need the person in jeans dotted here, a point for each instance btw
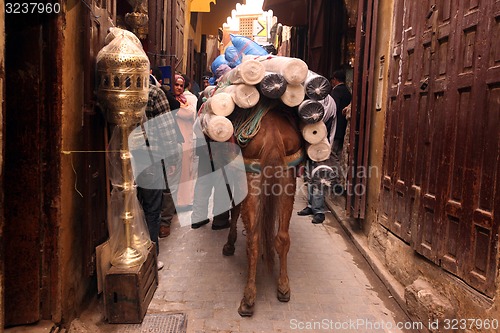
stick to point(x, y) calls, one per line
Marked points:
point(315, 193)
point(161, 145)
point(168, 207)
point(316, 187)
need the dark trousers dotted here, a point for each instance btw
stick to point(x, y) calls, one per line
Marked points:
point(151, 202)
point(168, 208)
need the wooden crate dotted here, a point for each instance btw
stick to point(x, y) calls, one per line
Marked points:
point(128, 291)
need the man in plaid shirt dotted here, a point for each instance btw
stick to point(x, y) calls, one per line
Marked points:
point(160, 145)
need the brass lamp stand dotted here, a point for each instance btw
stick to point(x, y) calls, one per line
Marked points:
point(122, 90)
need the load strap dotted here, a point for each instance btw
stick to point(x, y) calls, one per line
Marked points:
point(253, 165)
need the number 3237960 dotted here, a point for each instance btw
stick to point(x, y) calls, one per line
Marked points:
point(453, 324)
point(32, 8)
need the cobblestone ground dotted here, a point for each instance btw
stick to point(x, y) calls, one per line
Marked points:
point(333, 289)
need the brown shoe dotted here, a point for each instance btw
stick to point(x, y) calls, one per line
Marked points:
point(164, 231)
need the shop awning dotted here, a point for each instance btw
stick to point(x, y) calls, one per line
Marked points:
point(289, 12)
point(201, 5)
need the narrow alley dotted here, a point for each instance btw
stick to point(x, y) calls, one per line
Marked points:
point(333, 287)
point(404, 93)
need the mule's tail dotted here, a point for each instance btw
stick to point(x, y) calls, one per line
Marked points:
point(272, 186)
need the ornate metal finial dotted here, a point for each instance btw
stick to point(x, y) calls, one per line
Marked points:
point(123, 78)
point(137, 21)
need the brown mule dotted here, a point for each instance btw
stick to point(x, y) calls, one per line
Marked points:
point(270, 198)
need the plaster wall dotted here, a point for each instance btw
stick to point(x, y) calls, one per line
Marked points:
point(191, 32)
point(217, 16)
point(194, 33)
point(430, 292)
point(381, 77)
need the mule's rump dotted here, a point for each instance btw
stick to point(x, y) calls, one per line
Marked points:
point(270, 198)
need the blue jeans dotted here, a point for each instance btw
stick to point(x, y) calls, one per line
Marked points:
point(151, 202)
point(316, 198)
point(315, 190)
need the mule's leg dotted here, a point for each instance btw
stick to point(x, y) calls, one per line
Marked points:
point(249, 218)
point(228, 249)
point(282, 242)
point(248, 301)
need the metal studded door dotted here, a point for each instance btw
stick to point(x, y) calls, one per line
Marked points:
point(441, 174)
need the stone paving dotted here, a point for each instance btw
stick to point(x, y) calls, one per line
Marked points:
point(332, 288)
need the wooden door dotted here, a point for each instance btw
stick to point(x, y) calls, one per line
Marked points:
point(441, 171)
point(173, 38)
point(27, 192)
point(361, 108)
point(178, 37)
point(190, 61)
point(95, 182)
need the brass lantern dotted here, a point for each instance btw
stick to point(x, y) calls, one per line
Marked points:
point(123, 78)
point(122, 91)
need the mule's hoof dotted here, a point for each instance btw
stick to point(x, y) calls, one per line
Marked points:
point(283, 297)
point(245, 310)
point(228, 250)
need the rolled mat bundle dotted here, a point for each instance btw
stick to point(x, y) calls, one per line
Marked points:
point(314, 133)
point(259, 77)
point(208, 91)
point(320, 151)
point(317, 87)
point(244, 95)
point(220, 104)
point(218, 128)
point(249, 72)
point(311, 111)
point(294, 70)
point(294, 95)
point(273, 85)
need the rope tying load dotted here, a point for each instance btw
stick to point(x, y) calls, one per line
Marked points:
point(247, 125)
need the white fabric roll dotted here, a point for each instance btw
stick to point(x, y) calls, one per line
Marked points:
point(221, 104)
point(249, 72)
point(294, 70)
point(294, 95)
point(244, 95)
point(320, 151)
point(218, 128)
point(208, 91)
point(315, 132)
